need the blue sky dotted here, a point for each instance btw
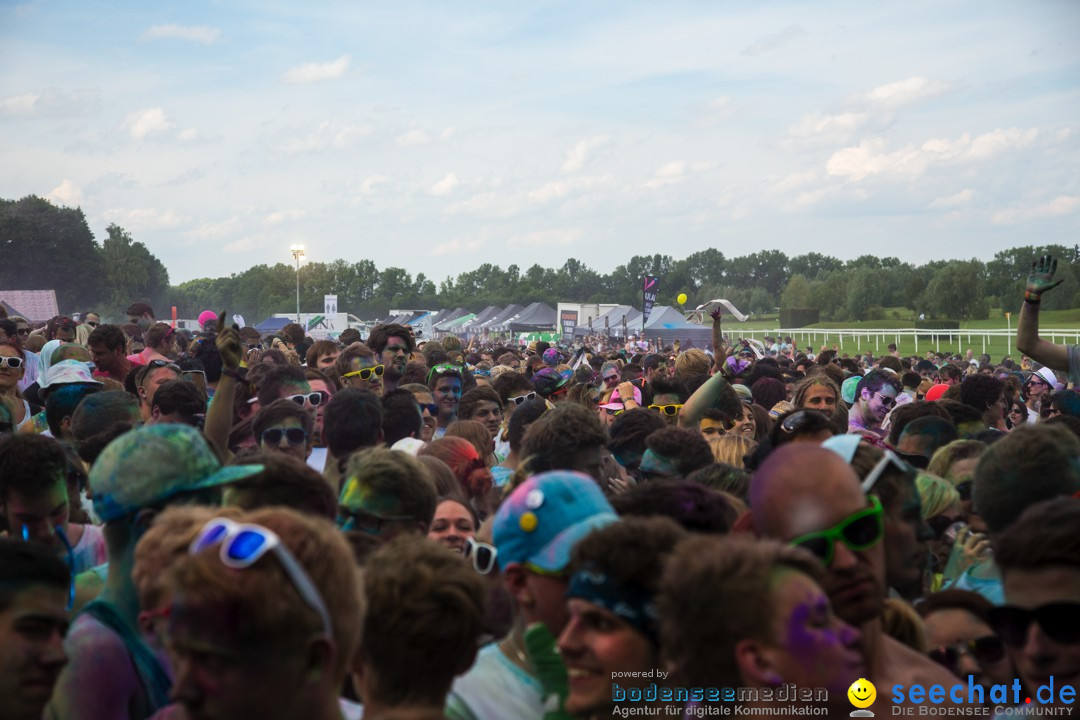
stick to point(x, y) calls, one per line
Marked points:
point(437, 136)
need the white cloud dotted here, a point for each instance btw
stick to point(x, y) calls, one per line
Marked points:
point(554, 236)
point(871, 158)
point(575, 157)
point(413, 138)
point(66, 193)
point(329, 135)
point(188, 135)
point(50, 101)
point(314, 72)
point(217, 229)
point(458, 246)
point(772, 42)
point(447, 133)
point(561, 188)
point(142, 123)
point(669, 174)
point(241, 245)
point(192, 33)
point(906, 92)
point(818, 124)
point(956, 200)
point(444, 186)
point(144, 218)
point(279, 216)
point(793, 181)
point(367, 187)
point(1061, 205)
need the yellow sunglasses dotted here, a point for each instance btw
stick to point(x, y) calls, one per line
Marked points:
point(366, 373)
point(666, 409)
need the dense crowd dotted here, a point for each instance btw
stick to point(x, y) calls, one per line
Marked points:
point(224, 525)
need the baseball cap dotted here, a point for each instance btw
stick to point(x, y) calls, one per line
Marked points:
point(744, 394)
point(68, 372)
point(936, 392)
point(532, 346)
point(548, 380)
point(547, 515)
point(551, 356)
point(154, 463)
point(847, 390)
point(409, 445)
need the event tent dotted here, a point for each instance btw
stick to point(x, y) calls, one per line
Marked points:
point(538, 316)
point(668, 325)
point(481, 317)
point(614, 318)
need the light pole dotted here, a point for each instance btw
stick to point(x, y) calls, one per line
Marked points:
point(298, 255)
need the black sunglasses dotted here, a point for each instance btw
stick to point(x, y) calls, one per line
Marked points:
point(294, 436)
point(430, 407)
point(1057, 620)
point(986, 650)
point(964, 489)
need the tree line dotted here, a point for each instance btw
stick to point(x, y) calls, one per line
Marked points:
point(44, 246)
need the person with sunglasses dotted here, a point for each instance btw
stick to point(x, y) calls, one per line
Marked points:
point(33, 621)
point(534, 531)
point(875, 396)
point(359, 367)
point(668, 397)
point(1039, 560)
point(1038, 389)
point(12, 369)
point(810, 497)
point(291, 579)
point(288, 382)
point(960, 638)
point(429, 411)
point(394, 344)
point(386, 493)
point(149, 378)
point(284, 427)
point(134, 478)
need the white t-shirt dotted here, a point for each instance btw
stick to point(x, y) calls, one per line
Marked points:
point(317, 459)
point(90, 551)
point(495, 689)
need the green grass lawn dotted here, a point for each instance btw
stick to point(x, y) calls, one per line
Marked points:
point(966, 338)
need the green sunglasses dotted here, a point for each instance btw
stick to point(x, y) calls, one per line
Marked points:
point(859, 531)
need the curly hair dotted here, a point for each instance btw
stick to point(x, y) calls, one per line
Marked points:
point(688, 448)
point(29, 463)
point(981, 391)
point(561, 435)
point(692, 505)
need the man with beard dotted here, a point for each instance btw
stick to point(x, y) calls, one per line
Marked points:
point(394, 344)
point(806, 495)
point(875, 396)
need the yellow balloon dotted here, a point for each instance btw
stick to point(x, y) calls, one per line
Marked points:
point(681, 298)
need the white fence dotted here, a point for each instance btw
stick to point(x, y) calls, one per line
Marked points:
point(881, 337)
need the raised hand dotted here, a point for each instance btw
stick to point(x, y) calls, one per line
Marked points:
point(228, 344)
point(1041, 278)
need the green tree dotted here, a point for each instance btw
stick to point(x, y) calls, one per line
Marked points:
point(45, 247)
point(797, 294)
point(131, 272)
point(957, 291)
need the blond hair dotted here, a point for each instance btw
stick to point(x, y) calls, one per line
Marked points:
point(731, 449)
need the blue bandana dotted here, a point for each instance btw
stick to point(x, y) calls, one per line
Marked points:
point(630, 602)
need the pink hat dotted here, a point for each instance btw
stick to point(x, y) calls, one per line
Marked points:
point(206, 317)
point(616, 403)
point(936, 392)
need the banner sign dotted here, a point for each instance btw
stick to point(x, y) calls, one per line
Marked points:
point(330, 304)
point(649, 288)
point(568, 320)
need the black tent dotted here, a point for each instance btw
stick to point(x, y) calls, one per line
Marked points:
point(535, 317)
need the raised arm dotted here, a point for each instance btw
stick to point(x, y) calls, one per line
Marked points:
point(1028, 341)
point(220, 414)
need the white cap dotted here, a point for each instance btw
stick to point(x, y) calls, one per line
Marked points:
point(408, 445)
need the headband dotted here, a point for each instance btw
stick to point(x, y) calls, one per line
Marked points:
point(629, 601)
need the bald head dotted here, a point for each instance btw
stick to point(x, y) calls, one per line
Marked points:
point(789, 490)
point(804, 488)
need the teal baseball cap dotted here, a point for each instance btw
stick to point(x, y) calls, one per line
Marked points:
point(149, 465)
point(547, 515)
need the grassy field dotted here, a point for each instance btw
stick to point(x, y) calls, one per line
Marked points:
point(968, 336)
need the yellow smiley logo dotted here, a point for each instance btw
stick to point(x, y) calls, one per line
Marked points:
point(862, 693)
